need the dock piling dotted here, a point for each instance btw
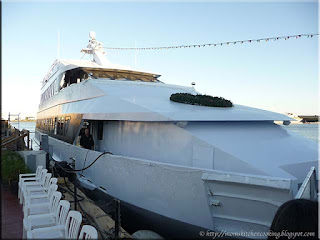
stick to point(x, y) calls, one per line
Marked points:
point(117, 219)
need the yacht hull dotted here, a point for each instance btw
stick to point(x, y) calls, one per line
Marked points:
point(134, 218)
point(208, 199)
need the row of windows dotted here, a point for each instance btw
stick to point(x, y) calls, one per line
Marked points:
point(57, 126)
point(47, 93)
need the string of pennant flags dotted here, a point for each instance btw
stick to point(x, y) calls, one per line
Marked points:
point(219, 44)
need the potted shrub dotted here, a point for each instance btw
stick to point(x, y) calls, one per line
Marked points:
point(12, 164)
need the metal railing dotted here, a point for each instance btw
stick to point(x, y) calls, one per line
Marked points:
point(17, 136)
point(309, 189)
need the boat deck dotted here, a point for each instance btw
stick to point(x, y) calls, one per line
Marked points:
point(11, 215)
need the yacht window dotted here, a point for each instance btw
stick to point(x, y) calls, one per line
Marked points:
point(73, 76)
point(80, 74)
point(47, 124)
point(52, 125)
point(66, 125)
point(60, 126)
point(55, 125)
point(62, 81)
point(100, 130)
point(92, 76)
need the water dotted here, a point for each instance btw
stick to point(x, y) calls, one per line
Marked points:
point(306, 130)
point(30, 126)
point(25, 125)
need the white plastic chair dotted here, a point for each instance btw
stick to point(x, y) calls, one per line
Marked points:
point(27, 187)
point(40, 182)
point(88, 232)
point(73, 223)
point(42, 208)
point(41, 198)
point(34, 187)
point(47, 220)
point(33, 190)
point(29, 177)
point(70, 231)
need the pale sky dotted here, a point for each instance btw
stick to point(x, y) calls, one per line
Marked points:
point(280, 76)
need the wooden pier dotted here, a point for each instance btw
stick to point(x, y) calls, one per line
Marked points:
point(95, 216)
point(16, 140)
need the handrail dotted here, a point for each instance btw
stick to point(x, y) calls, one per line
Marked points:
point(16, 137)
point(8, 138)
point(308, 189)
point(13, 140)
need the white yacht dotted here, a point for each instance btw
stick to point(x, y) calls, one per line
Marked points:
point(219, 169)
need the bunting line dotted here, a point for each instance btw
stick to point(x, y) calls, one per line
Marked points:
point(218, 44)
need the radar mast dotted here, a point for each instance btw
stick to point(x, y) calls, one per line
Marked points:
point(95, 48)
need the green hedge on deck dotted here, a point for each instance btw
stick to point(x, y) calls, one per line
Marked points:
point(202, 100)
point(12, 164)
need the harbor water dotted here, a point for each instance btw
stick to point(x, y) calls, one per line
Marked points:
point(306, 130)
point(30, 126)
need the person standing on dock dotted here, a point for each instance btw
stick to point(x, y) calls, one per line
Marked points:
point(86, 140)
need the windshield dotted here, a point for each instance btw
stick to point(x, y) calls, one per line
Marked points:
point(80, 74)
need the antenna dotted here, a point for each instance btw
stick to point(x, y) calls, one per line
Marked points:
point(95, 48)
point(135, 54)
point(92, 35)
point(58, 43)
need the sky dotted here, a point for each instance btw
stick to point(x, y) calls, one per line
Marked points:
point(280, 76)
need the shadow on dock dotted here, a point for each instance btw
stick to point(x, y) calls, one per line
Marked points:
point(11, 215)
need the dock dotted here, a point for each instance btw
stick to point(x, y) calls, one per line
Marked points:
point(11, 215)
point(107, 226)
point(91, 213)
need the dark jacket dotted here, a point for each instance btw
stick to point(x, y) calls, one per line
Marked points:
point(86, 142)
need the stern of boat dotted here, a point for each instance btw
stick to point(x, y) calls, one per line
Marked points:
point(247, 203)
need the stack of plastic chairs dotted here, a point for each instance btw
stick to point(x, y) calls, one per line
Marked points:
point(45, 214)
point(38, 191)
point(70, 230)
point(57, 218)
point(41, 198)
point(32, 184)
point(42, 208)
point(29, 177)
